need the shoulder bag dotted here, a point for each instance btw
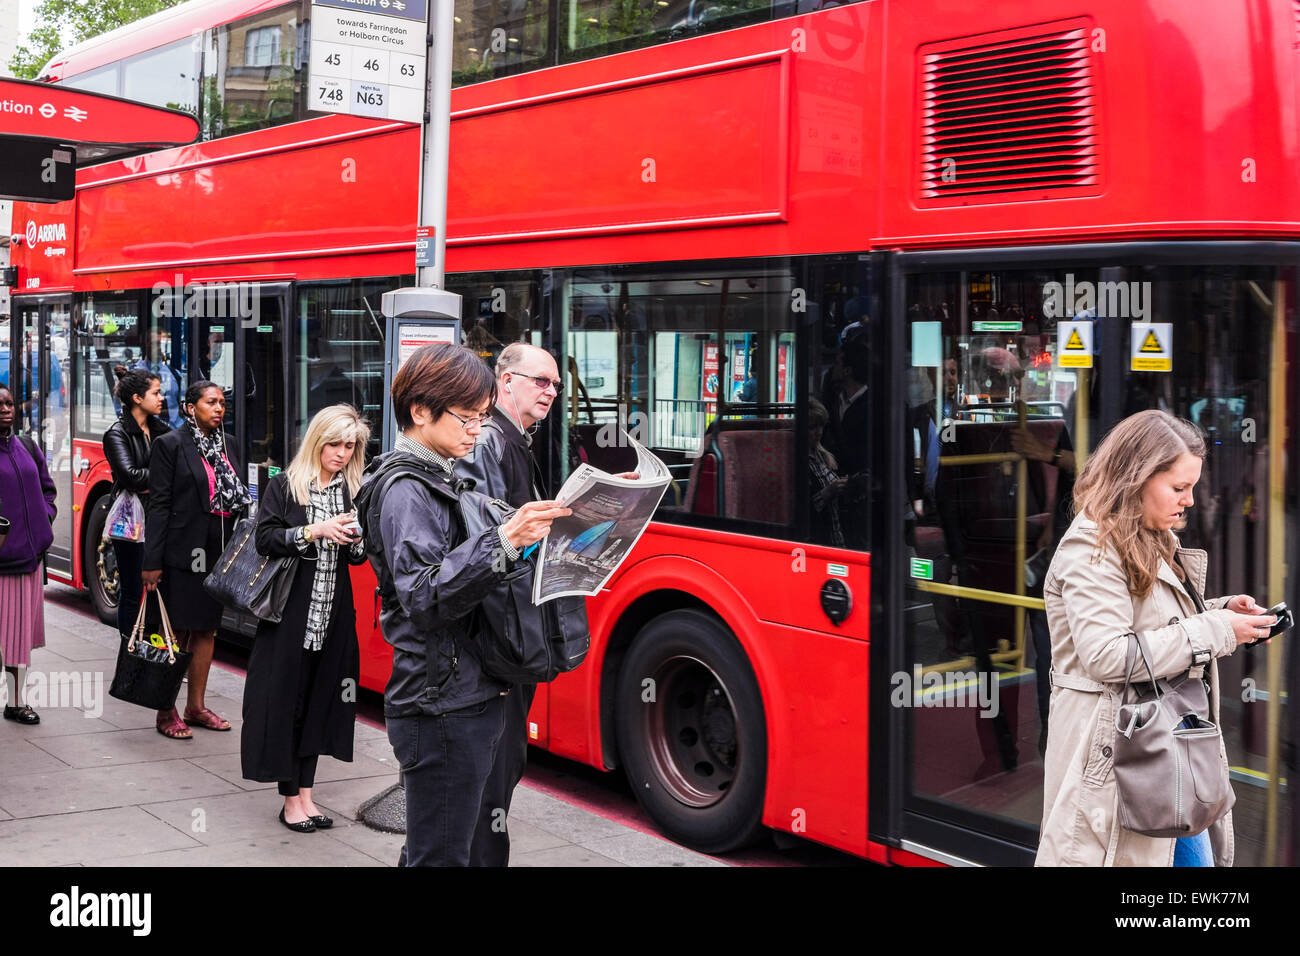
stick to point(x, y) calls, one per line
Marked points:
point(1168, 772)
point(522, 642)
point(251, 582)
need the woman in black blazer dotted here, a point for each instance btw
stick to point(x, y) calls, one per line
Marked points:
point(126, 446)
point(300, 695)
point(195, 497)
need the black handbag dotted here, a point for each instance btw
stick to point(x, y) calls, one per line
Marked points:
point(521, 642)
point(149, 674)
point(251, 582)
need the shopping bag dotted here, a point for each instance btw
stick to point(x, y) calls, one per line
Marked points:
point(150, 668)
point(125, 518)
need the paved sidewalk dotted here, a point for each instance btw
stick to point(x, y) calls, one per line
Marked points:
point(95, 785)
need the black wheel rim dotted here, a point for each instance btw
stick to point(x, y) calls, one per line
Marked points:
point(690, 732)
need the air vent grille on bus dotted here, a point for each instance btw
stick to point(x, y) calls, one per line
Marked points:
point(1011, 116)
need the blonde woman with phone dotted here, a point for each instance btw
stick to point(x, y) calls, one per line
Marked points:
point(300, 696)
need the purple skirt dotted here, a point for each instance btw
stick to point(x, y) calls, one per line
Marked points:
point(22, 617)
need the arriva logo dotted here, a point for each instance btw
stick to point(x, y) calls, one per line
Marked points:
point(50, 232)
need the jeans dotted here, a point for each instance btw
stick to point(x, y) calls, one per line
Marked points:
point(1194, 851)
point(130, 561)
point(446, 761)
point(491, 845)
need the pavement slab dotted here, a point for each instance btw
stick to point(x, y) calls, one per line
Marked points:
point(97, 835)
point(97, 788)
point(137, 746)
point(291, 849)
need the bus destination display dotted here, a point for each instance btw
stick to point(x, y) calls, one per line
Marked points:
point(367, 58)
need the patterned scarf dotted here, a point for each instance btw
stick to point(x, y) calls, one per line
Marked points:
point(229, 495)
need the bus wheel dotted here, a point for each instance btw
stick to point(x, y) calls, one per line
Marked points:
point(99, 563)
point(691, 735)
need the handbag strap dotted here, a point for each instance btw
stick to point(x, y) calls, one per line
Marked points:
point(137, 629)
point(169, 636)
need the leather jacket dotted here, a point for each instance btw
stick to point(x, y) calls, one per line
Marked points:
point(432, 579)
point(128, 452)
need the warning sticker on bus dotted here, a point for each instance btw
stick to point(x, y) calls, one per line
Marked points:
point(1074, 345)
point(1153, 347)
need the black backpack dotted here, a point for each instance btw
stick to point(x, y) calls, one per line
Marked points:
point(519, 642)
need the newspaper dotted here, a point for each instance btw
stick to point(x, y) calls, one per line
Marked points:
point(609, 516)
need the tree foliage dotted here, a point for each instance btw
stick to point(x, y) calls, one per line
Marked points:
point(60, 23)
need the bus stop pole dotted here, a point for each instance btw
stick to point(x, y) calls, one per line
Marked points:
point(435, 141)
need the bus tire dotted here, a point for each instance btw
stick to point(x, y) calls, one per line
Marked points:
point(98, 563)
point(691, 733)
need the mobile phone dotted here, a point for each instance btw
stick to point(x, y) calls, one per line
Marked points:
point(1285, 619)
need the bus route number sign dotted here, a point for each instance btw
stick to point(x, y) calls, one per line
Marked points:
point(368, 58)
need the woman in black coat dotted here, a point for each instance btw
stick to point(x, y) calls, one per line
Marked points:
point(126, 446)
point(300, 695)
point(195, 498)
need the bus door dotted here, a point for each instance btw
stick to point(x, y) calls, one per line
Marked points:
point(240, 346)
point(39, 374)
point(1010, 369)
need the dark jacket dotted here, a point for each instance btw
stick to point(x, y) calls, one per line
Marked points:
point(503, 465)
point(431, 582)
point(178, 509)
point(127, 451)
point(27, 496)
point(275, 667)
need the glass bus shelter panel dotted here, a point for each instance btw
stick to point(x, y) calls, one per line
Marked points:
point(715, 368)
point(340, 351)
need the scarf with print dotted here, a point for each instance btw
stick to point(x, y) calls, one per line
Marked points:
point(229, 494)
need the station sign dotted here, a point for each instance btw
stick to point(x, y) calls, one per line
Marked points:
point(1153, 347)
point(61, 114)
point(368, 58)
point(997, 325)
point(1074, 344)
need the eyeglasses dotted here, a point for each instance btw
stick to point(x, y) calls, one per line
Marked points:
point(468, 423)
point(542, 382)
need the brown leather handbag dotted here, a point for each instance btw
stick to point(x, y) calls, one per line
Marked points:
point(1171, 781)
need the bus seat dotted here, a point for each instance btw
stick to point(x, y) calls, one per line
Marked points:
point(744, 470)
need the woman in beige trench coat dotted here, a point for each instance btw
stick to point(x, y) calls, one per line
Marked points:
point(1119, 569)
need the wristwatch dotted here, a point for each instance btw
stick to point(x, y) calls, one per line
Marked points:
point(305, 533)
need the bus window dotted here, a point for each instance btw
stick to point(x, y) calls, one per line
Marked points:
point(340, 350)
point(495, 39)
point(167, 76)
point(109, 330)
point(253, 73)
point(703, 364)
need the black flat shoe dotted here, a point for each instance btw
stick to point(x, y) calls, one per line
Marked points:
point(304, 826)
point(24, 715)
point(322, 822)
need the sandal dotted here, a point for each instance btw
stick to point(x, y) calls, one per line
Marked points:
point(172, 726)
point(206, 719)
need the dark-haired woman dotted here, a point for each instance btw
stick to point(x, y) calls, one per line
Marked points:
point(445, 716)
point(195, 497)
point(27, 505)
point(126, 446)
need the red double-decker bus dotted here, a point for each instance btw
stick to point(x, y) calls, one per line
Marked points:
point(871, 279)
